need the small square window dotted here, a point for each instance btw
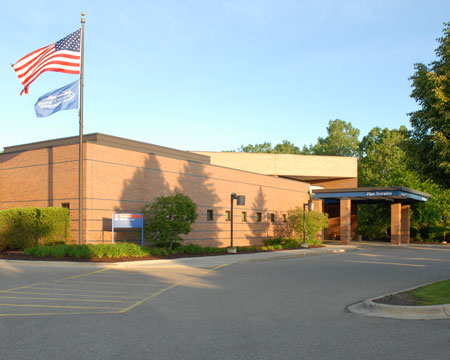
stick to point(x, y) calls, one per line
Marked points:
point(210, 215)
point(284, 218)
point(258, 217)
point(272, 217)
point(244, 216)
point(228, 215)
point(66, 205)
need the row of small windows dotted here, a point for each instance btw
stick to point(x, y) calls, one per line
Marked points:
point(210, 216)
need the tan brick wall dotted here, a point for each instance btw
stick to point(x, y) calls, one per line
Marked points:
point(123, 180)
point(337, 183)
point(43, 177)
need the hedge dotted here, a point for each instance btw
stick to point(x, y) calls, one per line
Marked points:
point(26, 227)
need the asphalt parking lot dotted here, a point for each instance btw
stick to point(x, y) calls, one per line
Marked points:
point(283, 309)
point(102, 291)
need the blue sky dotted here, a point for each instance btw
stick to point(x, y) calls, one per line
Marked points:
point(218, 74)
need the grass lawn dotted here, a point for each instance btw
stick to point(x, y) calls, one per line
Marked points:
point(433, 294)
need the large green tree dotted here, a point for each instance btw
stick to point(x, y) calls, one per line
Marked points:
point(342, 140)
point(430, 135)
point(384, 162)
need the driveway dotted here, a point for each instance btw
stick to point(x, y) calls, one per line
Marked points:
point(282, 309)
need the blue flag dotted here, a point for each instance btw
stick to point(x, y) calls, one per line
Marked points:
point(65, 98)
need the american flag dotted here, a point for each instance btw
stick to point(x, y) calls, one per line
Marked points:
point(62, 56)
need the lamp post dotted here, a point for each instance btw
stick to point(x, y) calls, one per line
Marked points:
point(310, 206)
point(240, 201)
point(445, 223)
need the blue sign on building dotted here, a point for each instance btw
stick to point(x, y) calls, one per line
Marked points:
point(128, 221)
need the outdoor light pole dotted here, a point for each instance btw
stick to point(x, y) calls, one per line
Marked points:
point(240, 201)
point(233, 196)
point(310, 206)
point(445, 223)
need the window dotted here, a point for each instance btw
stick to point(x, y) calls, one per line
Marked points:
point(244, 216)
point(258, 217)
point(210, 215)
point(228, 215)
point(284, 218)
point(66, 205)
point(272, 217)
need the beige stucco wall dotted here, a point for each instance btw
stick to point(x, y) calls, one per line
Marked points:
point(307, 167)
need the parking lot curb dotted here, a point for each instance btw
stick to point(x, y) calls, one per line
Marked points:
point(370, 307)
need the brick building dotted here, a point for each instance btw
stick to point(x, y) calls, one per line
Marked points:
point(122, 175)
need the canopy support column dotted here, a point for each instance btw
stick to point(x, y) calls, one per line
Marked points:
point(406, 223)
point(396, 223)
point(345, 221)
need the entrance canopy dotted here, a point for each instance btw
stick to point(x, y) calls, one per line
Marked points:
point(399, 197)
point(371, 195)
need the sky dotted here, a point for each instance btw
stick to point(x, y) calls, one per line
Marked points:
point(213, 75)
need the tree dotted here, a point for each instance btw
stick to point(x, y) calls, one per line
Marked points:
point(265, 147)
point(342, 140)
point(285, 147)
point(384, 162)
point(167, 218)
point(429, 145)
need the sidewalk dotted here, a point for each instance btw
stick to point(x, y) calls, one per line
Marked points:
point(210, 261)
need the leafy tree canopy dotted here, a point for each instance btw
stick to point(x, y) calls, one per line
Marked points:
point(430, 135)
point(384, 162)
point(342, 140)
point(285, 147)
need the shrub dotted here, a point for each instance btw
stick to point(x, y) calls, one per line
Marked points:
point(282, 243)
point(60, 251)
point(167, 218)
point(243, 249)
point(193, 249)
point(27, 227)
point(275, 241)
point(315, 222)
point(117, 250)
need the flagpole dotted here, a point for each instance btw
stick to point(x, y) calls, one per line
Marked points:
point(80, 152)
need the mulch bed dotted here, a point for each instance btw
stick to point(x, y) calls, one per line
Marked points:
point(403, 298)
point(20, 255)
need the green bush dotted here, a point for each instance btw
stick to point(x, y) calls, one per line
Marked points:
point(315, 222)
point(193, 249)
point(27, 227)
point(282, 243)
point(117, 250)
point(243, 249)
point(167, 218)
point(60, 251)
point(159, 251)
point(275, 241)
